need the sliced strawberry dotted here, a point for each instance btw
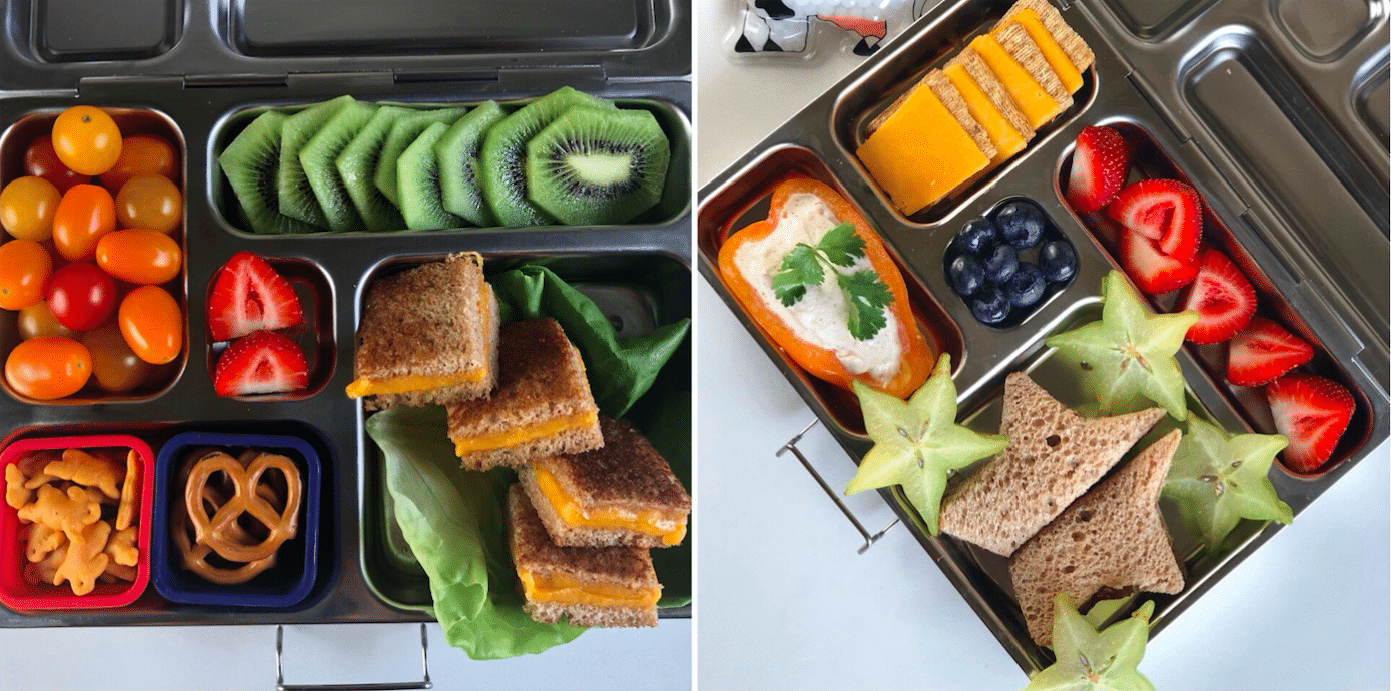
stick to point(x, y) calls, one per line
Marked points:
point(248, 295)
point(1312, 412)
point(1164, 210)
point(262, 362)
point(1153, 271)
point(1099, 166)
point(1222, 297)
point(1263, 351)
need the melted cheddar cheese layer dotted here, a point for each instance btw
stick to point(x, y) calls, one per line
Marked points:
point(671, 528)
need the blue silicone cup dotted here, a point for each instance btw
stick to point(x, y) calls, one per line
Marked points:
point(281, 586)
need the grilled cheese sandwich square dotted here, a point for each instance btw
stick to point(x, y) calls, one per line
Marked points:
point(623, 493)
point(541, 406)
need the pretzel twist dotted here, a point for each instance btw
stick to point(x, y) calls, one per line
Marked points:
point(210, 519)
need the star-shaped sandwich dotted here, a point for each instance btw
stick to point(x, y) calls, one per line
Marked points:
point(1219, 480)
point(1091, 659)
point(1113, 537)
point(918, 444)
point(1128, 355)
point(1053, 456)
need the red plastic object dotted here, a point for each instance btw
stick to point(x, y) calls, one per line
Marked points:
point(18, 595)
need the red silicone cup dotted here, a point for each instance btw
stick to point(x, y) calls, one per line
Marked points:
point(17, 594)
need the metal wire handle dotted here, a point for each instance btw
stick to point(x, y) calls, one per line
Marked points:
point(280, 684)
point(791, 445)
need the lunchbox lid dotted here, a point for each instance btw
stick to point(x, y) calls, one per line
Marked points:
point(60, 44)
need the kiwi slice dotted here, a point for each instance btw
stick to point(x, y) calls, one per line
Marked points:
point(417, 176)
point(251, 163)
point(357, 165)
point(404, 131)
point(457, 151)
point(596, 166)
point(318, 157)
point(502, 159)
point(297, 198)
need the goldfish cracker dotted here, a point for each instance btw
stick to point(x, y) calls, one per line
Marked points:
point(121, 547)
point(42, 541)
point(96, 495)
point(85, 469)
point(69, 511)
point(117, 572)
point(16, 494)
point(86, 558)
point(33, 469)
point(125, 513)
point(46, 570)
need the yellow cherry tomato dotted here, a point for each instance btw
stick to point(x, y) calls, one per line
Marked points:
point(149, 201)
point(24, 270)
point(48, 368)
point(86, 140)
point(115, 366)
point(152, 324)
point(37, 320)
point(26, 207)
point(145, 257)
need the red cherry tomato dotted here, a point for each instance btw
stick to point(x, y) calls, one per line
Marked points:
point(150, 201)
point(115, 366)
point(85, 213)
point(24, 269)
point(40, 159)
point(139, 256)
point(81, 296)
point(141, 154)
point(37, 320)
point(48, 368)
point(86, 139)
point(152, 324)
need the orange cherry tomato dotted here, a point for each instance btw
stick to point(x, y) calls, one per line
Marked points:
point(152, 324)
point(150, 201)
point(37, 320)
point(141, 154)
point(27, 205)
point(86, 140)
point(139, 256)
point(48, 368)
point(85, 213)
point(24, 270)
point(115, 366)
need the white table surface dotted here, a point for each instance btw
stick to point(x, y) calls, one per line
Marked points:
point(785, 603)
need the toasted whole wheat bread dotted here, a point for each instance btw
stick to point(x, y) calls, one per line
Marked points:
point(625, 474)
point(1053, 456)
point(541, 379)
point(1076, 49)
point(980, 73)
point(1016, 41)
point(1113, 537)
point(624, 567)
point(436, 320)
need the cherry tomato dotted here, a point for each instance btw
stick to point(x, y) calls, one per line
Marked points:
point(152, 324)
point(48, 368)
point(85, 213)
point(141, 154)
point(37, 320)
point(115, 366)
point(24, 269)
point(139, 256)
point(27, 206)
point(86, 139)
point(40, 159)
point(150, 201)
point(81, 296)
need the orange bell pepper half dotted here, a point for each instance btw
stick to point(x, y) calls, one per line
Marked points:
point(917, 357)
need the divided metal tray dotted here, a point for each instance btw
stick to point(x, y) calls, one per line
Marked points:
point(1274, 109)
point(198, 71)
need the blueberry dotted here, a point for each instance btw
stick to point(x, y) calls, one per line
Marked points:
point(990, 306)
point(1001, 263)
point(977, 237)
point(1021, 224)
point(965, 274)
point(1026, 286)
point(1058, 260)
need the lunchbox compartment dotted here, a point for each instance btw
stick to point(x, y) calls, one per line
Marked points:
point(1149, 160)
point(745, 200)
point(80, 31)
point(1324, 29)
point(1155, 20)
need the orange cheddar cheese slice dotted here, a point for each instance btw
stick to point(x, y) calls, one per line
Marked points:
point(366, 387)
point(1052, 52)
point(671, 528)
point(524, 434)
point(565, 589)
point(920, 153)
point(1031, 98)
point(1006, 139)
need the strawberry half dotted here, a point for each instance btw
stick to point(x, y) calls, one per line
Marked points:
point(1153, 271)
point(248, 295)
point(1312, 412)
point(1222, 297)
point(1164, 210)
point(1263, 351)
point(1099, 165)
point(263, 362)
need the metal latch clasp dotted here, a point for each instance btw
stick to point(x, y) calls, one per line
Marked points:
point(791, 445)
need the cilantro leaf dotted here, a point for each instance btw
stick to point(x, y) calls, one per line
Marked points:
point(866, 296)
point(799, 269)
point(841, 246)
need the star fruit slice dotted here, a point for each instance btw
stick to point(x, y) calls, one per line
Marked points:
point(1218, 480)
point(1091, 659)
point(918, 444)
point(1128, 355)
